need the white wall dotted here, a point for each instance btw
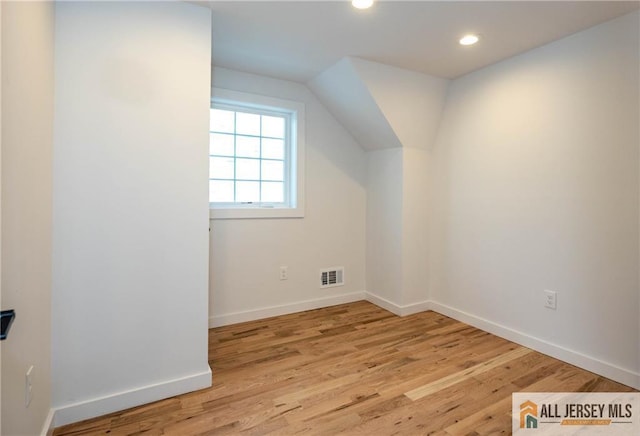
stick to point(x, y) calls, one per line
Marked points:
point(246, 254)
point(535, 184)
point(385, 225)
point(411, 102)
point(342, 90)
point(397, 207)
point(397, 232)
point(27, 137)
point(130, 218)
point(416, 211)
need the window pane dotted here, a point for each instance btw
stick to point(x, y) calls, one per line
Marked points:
point(273, 149)
point(221, 168)
point(248, 191)
point(273, 192)
point(220, 191)
point(273, 170)
point(250, 152)
point(221, 120)
point(248, 169)
point(273, 127)
point(221, 144)
point(247, 146)
point(247, 124)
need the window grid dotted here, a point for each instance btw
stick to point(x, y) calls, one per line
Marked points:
point(260, 158)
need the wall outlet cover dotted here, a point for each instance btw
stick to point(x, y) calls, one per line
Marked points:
point(550, 299)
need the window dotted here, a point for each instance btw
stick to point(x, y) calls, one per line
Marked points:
point(248, 156)
point(256, 156)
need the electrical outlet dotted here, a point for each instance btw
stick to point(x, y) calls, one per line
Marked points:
point(284, 273)
point(28, 387)
point(550, 299)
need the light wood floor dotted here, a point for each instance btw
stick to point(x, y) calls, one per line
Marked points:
point(354, 369)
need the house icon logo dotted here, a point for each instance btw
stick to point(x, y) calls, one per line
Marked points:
point(528, 415)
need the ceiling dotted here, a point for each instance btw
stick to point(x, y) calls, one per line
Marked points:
point(297, 40)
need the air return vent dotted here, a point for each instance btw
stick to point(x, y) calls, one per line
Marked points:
point(332, 277)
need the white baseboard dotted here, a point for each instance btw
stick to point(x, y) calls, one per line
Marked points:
point(588, 363)
point(408, 309)
point(147, 394)
point(131, 398)
point(580, 360)
point(285, 309)
point(48, 426)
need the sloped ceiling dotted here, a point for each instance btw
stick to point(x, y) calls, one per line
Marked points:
point(378, 70)
point(411, 102)
point(297, 40)
point(382, 106)
point(343, 92)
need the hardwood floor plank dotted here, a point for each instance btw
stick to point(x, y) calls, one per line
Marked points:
point(470, 423)
point(453, 379)
point(353, 369)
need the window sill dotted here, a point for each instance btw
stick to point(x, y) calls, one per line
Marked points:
point(255, 213)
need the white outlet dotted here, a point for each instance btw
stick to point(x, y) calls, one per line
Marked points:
point(284, 273)
point(550, 299)
point(28, 387)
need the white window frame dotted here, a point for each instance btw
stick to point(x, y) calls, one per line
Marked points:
point(294, 164)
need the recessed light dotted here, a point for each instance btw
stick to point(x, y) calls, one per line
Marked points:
point(362, 4)
point(469, 39)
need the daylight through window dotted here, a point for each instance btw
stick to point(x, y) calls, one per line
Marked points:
point(252, 156)
point(248, 157)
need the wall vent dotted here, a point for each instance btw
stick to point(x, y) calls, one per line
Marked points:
point(332, 277)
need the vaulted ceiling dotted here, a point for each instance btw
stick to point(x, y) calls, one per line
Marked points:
point(297, 40)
